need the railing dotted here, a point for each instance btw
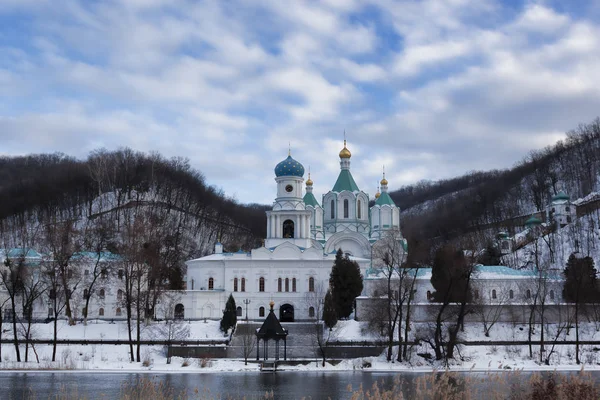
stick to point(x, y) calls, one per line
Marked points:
point(121, 342)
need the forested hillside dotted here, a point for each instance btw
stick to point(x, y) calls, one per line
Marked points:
point(43, 189)
point(114, 191)
point(483, 202)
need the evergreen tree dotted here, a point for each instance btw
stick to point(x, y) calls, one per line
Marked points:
point(449, 276)
point(580, 288)
point(491, 255)
point(346, 284)
point(229, 319)
point(329, 313)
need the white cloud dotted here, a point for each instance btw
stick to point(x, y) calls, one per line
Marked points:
point(429, 88)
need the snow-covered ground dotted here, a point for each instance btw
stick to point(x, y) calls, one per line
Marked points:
point(104, 330)
point(116, 358)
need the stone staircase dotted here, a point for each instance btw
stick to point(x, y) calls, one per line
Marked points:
point(300, 341)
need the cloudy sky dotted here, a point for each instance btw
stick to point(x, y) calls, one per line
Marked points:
point(431, 89)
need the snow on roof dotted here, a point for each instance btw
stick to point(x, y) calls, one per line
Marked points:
point(482, 272)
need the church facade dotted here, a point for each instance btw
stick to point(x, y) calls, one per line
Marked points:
point(295, 261)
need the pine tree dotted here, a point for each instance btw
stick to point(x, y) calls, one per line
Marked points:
point(329, 313)
point(346, 284)
point(229, 319)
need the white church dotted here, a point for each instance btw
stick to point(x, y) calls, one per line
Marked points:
point(303, 237)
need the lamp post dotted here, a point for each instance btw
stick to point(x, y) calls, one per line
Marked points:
point(246, 302)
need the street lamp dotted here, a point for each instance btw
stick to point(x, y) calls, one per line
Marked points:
point(246, 302)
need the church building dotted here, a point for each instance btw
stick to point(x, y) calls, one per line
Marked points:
point(303, 237)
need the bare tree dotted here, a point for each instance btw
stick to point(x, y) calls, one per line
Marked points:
point(491, 311)
point(97, 235)
point(390, 257)
point(247, 335)
point(32, 290)
point(62, 243)
point(321, 336)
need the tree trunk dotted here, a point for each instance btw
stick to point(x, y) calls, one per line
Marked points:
point(541, 332)
point(1, 333)
point(86, 309)
point(55, 337)
point(14, 323)
point(437, 337)
point(577, 332)
point(530, 331)
point(128, 310)
point(400, 317)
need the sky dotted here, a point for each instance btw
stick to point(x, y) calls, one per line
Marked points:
point(430, 89)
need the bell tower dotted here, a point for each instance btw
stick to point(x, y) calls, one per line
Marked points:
point(288, 221)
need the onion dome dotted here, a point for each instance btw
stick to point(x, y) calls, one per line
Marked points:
point(560, 196)
point(345, 153)
point(289, 167)
point(377, 194)
point(533, 221)
point(309, 181)
point(384, 181)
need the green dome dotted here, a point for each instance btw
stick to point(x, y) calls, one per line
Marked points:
point(533, 221)
point(560, 196)
point(289, 167)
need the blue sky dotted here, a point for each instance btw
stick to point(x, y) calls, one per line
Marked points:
point(431, 89)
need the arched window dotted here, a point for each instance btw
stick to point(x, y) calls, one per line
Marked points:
point(287, 284)
point(293, 284)
point(311, 312)
point(101, 312)
point(288, 229)
point(85, 293)
point(118, 313)
point(243, 284)
point(494, 294)
point(511, 294)
point(528, 294)
point(428, 295)
point(211, 283)
point(358, 210)
point(261, 284)
point(119, 295)
point(345, 208)
point(261, 312)
point(567, 208)
point(235, 283)
point(552, 295)
point(332, 209)
point(238, 311)
point(311, 284)
point(278, 285)
point(101, 294)
point(179, 311)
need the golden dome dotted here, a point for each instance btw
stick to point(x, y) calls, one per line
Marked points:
point(377, 194)
point(271, 303)
point(345, 153)
point(384, 181)
point(309, 181)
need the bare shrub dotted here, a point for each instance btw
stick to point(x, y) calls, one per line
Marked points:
point(204, 362)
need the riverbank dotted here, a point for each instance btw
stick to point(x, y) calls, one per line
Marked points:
point(116, 358)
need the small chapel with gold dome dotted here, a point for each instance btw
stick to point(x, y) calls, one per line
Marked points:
point(303, 237)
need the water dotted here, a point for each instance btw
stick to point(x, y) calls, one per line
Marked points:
point(284, 385)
